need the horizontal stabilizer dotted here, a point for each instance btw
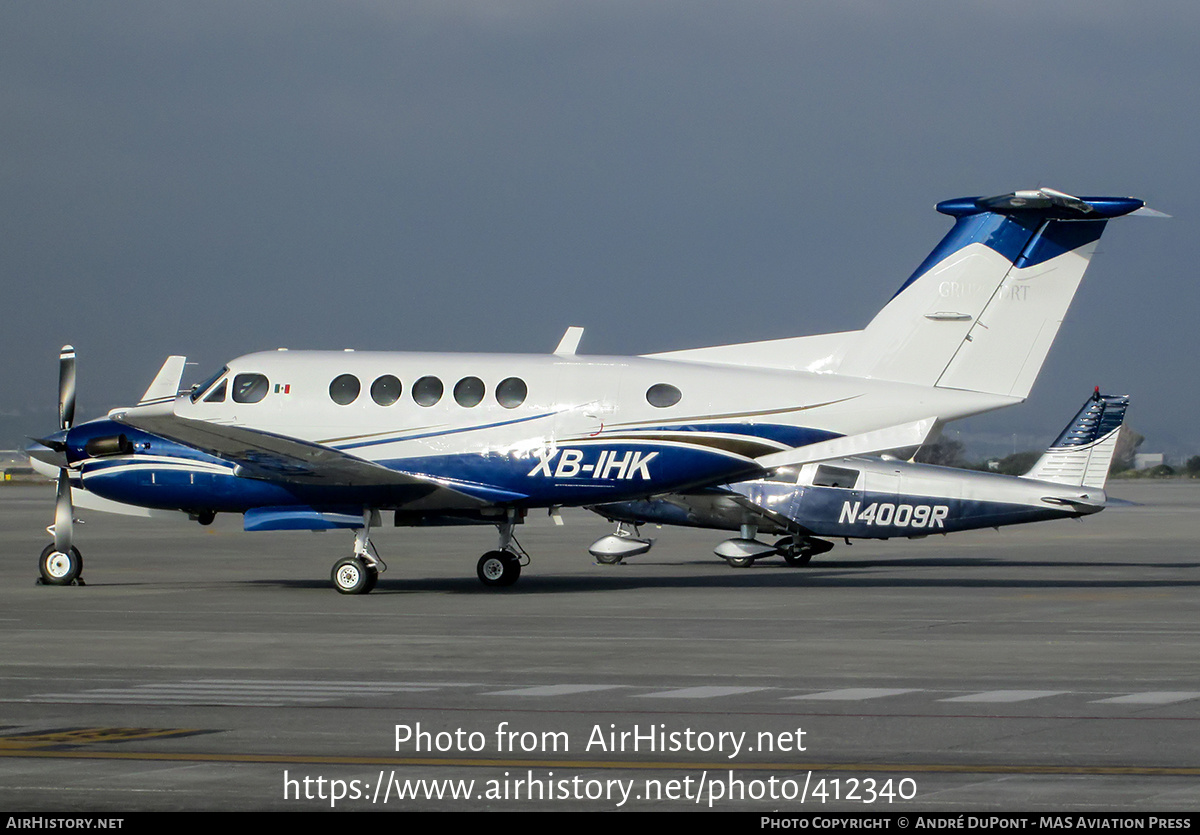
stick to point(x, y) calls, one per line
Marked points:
point(166, 383)
point(1084, 451)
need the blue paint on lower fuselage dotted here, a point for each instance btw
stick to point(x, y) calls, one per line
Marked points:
point(829, 511)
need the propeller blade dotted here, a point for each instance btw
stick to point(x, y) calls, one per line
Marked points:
point(64, 515)
point(66, 387)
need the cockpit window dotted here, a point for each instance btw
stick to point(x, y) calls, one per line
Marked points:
point(250, 388)
point(783, 475)
point(198, 390)
point(218, 393)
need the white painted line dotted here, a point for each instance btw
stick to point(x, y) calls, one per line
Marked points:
point(997, 696)
point(1158, 697)
point(855, 694)
point(554, 690)
point(700, 692)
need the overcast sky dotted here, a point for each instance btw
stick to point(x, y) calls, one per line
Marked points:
point(211, 179)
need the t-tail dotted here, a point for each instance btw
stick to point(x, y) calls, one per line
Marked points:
point(981, 312)
point(1084, 451)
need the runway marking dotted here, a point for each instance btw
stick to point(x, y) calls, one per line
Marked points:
point(997, 696)
point(869, 767)
point(1160, 697)
point(856, 694)
point(700, 692)
point(554, 690)
point(85, 736)
point(283, 692)
point(260, 692)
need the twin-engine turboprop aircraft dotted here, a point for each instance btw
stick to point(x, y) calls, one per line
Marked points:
point(880, 498)
point(321, 439)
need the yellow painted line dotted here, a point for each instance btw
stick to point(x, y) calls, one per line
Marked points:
point(874, 767)
point(86, 736)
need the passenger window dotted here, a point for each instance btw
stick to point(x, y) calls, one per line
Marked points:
point(427, 391)
point(469, 391)
point(218, 394)
point(344, 389)
point(662, 395)
point(511, 392)
point(828, 476)
point(386, 390)
point(250, 388)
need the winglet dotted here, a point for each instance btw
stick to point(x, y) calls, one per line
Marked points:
point(569, 342)
point(166, 382)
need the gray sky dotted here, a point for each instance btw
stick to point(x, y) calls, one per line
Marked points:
point(211, 179)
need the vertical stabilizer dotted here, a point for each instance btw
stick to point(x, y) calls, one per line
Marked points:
point(1084, 451)
point(981, 311)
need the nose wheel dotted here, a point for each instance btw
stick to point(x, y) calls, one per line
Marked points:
point(60, 568)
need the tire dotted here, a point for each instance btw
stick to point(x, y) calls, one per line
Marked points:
point(740, 562)
point(797, 558)
point(59, 569)
point(498, 569)
point(351, 576)
point(609, 559)
point(372, 579)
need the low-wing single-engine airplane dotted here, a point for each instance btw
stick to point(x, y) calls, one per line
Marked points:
point(878, 497)
point(334, 439)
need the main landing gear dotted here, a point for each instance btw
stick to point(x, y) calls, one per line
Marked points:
point(611, 549)
point(797, 550)
point(502, 567)
point(358, 573)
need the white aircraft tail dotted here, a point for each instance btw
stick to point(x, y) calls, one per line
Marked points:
point(982, 310)
point(1084, 451)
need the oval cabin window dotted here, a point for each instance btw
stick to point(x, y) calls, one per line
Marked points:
point(663, 395)
point(344, 389)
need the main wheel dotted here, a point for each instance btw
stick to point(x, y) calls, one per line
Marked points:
point(351, 575)
point(608, 559)
point(58, 568)
point(800, 557)
point(740, 562)
point(498, 568)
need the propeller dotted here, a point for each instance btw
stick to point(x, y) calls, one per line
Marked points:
point(60, 563)
point(66, 387)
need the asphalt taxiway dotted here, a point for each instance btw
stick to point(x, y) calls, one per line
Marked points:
point(1048, 667)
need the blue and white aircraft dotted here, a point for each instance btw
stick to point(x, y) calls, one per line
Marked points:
point(881, 498)
point(335, 439)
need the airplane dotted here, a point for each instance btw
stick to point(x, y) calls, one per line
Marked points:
point(880, 498)
point(319, 440)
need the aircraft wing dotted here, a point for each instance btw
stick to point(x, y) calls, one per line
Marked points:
point(279, 458)
point(865, 443)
